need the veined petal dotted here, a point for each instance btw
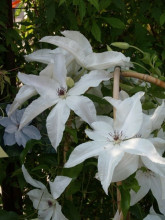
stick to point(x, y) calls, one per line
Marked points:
point(157, 166)
point(5, 121)
point(80, 39)
point(83, 107)
point(42, 55)
point(157, 192)
point(158, 117)
point(92, 79)
point(11, 128)
point(85, 151)
point(25, 93)
point(103, 129)
point(46, 214)
point(69, 45)
point(30, 180)
point(9, 139)
point(129, 112)
point(145, 185)
point(106, 60)
point(55, 122)
point(126, 167)
point(32, 132)
point(21, 138)
point(60, 71)
point(58, 215)
point(107, 161)
point(44, 85)
point(145, 129)
point(34, 109)
point(58, 186)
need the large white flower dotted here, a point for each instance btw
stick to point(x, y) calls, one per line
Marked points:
point(12, 134)
point(46, 203)
point(53, 91)
point(77, 44)
point(112, 139)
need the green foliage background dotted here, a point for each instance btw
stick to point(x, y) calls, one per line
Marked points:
point(141, 23)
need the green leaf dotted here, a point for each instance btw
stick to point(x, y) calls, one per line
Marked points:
point(96, 32)
point(104, 4)
point(7, 79)
point(72, 172)
point(50, 11)
point(30, 144)
point(148, 105)
point(96, 99)
point(71, 210)
point(62, 2)
point(73, 188)
point(2, 49)
point(125, 201)
point(162, 19)
point(41, 166)
point(8, 215)
point(82, 9)
point(72, 132)
point(114, 22)
point(95, 3)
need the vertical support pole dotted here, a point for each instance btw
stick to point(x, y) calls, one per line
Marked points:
point(116, 83)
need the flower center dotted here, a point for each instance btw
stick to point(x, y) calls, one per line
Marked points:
point(117, 136)
point(61, 92)
point(51, 203)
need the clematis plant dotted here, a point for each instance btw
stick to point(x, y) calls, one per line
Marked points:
point(46, 203)
point(54, 91)
point(78, 45)
point(113, 138)
point(12, 132)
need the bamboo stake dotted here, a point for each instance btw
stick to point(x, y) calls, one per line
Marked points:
point(144, 77)
point(116, 83)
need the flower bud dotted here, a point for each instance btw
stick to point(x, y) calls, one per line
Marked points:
point(69, 82)
point(121, 45)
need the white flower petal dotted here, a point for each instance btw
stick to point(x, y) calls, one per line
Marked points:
point(92, 79)
point(106, 60)
point(95, 135)
point(32, 181)
point(70, 45)
point(58, 186)
point(11, 128)
point(80, 39)
point(158, 117)
point(34, 109)
point(107, 161)
point(157, 192)
point(21, 138)
point(159, 144)
point(123, 95)
point(44, 85)
point(145, 129)
point(152, 217)
point(47, 71)
point(85, 151)
point(114, 102)
point(46, 214)
point(83, 107)
point(162, 180)
point(32, 132)
point(145, 185)
point(126, 167)
point(157, 167)
point(129, 112)
point(5, 121)
point(25, 93)
point(42, 55)
point(9, 139)
point(58, 215)
point(59, 72)
point(55, 122)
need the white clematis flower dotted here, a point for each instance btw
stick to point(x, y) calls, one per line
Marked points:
point(112, 139)
point(12, 133)
point(53, 91)
point(46, 203)
point(77, 44)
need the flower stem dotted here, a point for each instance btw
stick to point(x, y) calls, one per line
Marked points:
point(116, 83)
point(144, 77)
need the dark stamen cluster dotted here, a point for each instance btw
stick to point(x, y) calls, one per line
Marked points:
point(61, 91)
point(116, 135)
point(50, 203)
